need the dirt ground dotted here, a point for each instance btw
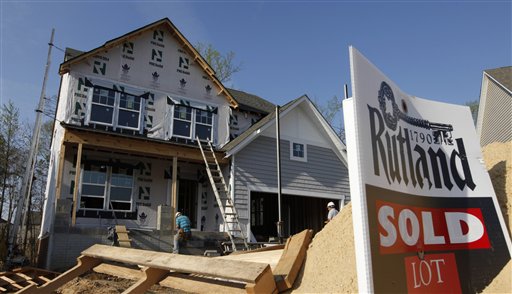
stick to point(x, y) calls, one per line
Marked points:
point(330, 265)
point(104, 284)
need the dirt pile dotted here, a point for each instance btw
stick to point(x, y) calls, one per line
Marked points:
point(498, 161)
point(330, 265)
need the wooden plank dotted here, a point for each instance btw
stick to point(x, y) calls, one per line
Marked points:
point(85, 263)
point(270, 257)
point(78, 169)
point(228, 269)
point(11, 282)
point(174, 192)
point(264, 284)
point(195, 284)
point(121, 229)
point(151, 276)
point(291, 261)
point(62, 158)
point(268, 248)
point(122, 236)
point(177, 281)
point(44, 278)
point(126, 143)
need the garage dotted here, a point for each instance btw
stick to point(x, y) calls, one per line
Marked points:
point(298, 213)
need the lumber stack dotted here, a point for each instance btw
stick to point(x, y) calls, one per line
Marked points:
point(196, 274)
point(20, 278)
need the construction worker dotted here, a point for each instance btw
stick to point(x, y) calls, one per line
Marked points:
point(332, 211)
point(183, 231)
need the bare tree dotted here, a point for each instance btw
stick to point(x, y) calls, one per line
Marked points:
point(223, 65)
point(11, 166)
point(473, 106)
point(333, 114)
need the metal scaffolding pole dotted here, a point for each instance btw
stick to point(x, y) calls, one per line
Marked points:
point(26, 187)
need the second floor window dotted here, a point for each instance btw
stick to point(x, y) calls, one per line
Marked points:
point(204, 123)
point(116, 109)
point(102, 106)
point(191, 123)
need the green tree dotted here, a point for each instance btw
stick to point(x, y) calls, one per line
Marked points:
point(223, 64)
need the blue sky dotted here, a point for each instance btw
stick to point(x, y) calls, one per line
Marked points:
point(431, 49)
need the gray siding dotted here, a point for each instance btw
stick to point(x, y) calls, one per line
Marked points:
point(255, 165)
point(497, 116)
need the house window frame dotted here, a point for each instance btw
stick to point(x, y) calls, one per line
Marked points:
point(196, 123)
point(116, 109)
point(106, 192)
point(193, 122)
point(303, 158)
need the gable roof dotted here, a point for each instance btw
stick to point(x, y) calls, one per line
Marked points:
point(65, 66)
point(502, 75)
point(252, 102)
point(255, 130)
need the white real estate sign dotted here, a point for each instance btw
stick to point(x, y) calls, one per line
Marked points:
point(425, 213)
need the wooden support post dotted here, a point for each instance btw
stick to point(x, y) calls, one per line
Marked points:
point(62, 157)
point(77, 180)
point(264, 283)
point(174, 193)
point(151, 277)
point(291, 260)
point(85, 263)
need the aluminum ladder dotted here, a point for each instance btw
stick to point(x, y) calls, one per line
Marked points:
point(220, 189)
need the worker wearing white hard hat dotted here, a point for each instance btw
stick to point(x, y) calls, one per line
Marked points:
point(332, 211)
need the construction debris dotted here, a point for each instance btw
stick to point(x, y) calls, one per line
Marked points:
point(196, 274)
point(330, 265)
point(18, 279)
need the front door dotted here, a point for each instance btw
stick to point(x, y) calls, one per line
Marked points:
point(187, 200)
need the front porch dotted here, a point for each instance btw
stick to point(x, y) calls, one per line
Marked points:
point(106, 179)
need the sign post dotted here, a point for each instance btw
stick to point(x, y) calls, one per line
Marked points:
point(425, 213)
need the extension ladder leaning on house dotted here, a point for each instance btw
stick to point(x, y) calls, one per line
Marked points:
point(220, 189)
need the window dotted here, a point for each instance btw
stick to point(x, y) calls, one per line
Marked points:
point(298, 151)
point(116, 109)
point(129, 111)
point(102, 106)
point(201, 127)
point(182, 121)
point(121, 188)
point(93, 187)
point(106, 188)
point(204, 122)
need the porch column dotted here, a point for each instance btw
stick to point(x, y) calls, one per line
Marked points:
point(174, 191)
point(77, 179)
point(62, 156)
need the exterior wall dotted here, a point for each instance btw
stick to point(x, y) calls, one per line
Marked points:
point(240, 121)
point(495, 122)
point(152, 187)
point(323, 175)
point(153, 63)
point(69, 241)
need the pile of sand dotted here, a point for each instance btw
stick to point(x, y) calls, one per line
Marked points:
point(498, 161)
point(330, 264)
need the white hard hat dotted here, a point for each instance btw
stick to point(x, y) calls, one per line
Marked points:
point(177, 214)
point(330, 204)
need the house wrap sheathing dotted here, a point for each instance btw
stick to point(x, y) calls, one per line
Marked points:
point(124, 148)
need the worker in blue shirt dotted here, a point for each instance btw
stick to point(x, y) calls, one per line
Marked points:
point(183, 231)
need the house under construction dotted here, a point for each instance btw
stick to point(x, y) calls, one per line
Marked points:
point(144, 128)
